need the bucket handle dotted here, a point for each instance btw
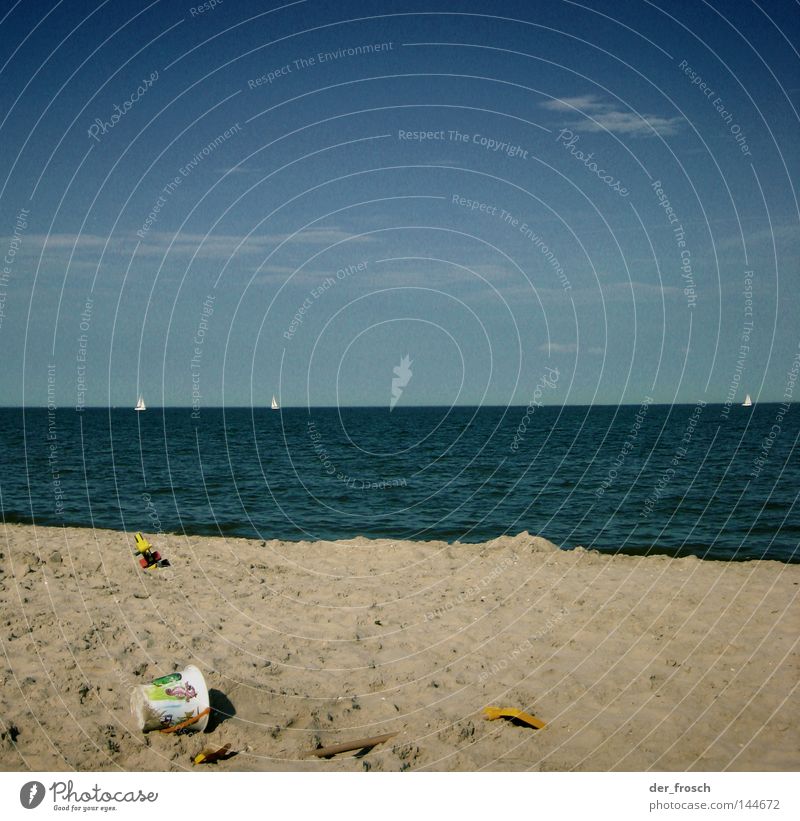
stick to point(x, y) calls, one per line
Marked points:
point(186, 723)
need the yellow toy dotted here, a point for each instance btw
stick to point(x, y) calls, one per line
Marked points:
point(209, 755)
point(514, 714)
point(148, 558)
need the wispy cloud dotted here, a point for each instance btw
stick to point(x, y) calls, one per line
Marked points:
point(225, 245)
point(607, 292)
point(59, 242)
point(237, 169)
point(618, 291)
point(567, 347)
point(785, 238)
point(584, 103)
point(603, 115)
point(158, 243)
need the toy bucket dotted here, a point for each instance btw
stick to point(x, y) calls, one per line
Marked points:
point(172, 700)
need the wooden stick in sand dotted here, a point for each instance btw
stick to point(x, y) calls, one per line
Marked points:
point(347, 746)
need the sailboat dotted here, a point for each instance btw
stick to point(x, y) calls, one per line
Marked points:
point(275, 405)
point(748, 402)
point(140, 406)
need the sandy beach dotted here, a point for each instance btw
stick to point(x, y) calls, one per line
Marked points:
point(633, 663)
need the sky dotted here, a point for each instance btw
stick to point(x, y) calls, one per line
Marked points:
point(210, 204)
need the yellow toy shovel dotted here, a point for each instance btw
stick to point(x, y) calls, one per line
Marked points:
point(492, 713)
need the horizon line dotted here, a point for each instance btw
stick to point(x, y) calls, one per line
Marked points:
point(266, 406)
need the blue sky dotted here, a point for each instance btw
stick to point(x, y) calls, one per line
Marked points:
point(260, 219)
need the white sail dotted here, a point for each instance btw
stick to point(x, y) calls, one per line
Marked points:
point(275, 405)
point(748, 402)
point(140, 406)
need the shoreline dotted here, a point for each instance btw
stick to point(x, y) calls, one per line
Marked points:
point(631, 552)
point(633, 662)
point(521, 406)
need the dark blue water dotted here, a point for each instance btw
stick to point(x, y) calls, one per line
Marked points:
point(670, 479)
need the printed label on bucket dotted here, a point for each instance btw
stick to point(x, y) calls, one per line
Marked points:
point(160, 682)
point(171, 700)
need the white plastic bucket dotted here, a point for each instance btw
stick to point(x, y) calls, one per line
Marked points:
point(171, 700)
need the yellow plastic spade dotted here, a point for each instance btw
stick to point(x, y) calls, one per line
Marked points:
point(511, 712)
point(142, 545)
point(209, 755)
point(149, 559)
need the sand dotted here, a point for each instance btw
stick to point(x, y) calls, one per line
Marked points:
point(634, 663)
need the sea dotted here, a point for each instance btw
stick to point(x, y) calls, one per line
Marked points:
point(714, 481)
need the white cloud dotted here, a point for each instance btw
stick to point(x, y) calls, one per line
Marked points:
point(567, 347)
point(618, 291)
point(157, 243)
point(607, 292)
point(587, 102)
point(224, 245)
point(57, 242)
point(785, 238)
point(601, 115)
point(237, 169)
